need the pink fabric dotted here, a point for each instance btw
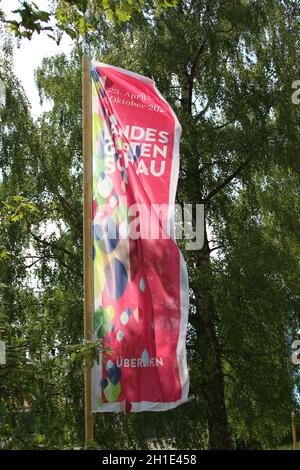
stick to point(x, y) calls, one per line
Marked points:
point(145, 283)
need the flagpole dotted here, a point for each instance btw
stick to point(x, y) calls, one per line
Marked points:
point(294, 431)
point(87, 237)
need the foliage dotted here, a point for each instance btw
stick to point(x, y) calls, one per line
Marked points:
point(227, 69)
point(76, 17)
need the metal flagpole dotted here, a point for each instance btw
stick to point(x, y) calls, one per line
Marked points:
point(87, 237)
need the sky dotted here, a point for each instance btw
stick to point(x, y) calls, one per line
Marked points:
point(30, 54)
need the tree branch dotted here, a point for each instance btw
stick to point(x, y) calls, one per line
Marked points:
point(221, 126)
point(27, 266)
point(203, 111)
point(196, 59)
point(49, 244)
point(223, 182)
point(187, 85)
point(69, 211)
point(215, 248)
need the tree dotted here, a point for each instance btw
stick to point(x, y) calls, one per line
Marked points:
point(75, 17)
point(228, 71)
point(41, 279)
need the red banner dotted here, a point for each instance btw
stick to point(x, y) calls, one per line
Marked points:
point(140, 277)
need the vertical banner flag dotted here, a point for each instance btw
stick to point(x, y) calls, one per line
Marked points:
point(140, 280)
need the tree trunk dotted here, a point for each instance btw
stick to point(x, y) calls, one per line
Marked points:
point(207, 342)
point(209, 353)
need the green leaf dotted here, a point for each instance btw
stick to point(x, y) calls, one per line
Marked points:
point(73, 357)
